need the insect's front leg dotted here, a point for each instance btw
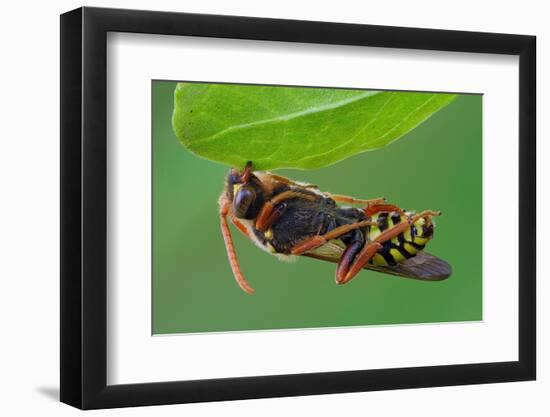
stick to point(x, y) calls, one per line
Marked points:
point(240, 226)
point(269, 214)
point(273, 209)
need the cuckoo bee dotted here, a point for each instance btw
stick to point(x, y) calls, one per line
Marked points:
point(288, 218)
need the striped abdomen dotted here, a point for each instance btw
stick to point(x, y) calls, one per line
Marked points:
point(404, 246)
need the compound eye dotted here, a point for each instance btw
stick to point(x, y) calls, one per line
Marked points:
point(242, 200)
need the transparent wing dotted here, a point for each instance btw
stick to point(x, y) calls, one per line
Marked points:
point(423, 266)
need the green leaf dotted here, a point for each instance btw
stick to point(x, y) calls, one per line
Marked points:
point(293, 127)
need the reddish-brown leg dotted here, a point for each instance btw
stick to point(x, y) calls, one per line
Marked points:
point(370, 249)
point(230, 249)
point(319, 240)
point(240, 226)
point(269, 214)
point(287, 181)
point(372, 209)
point(346, 260)
point(352, 200)
point(373, 206)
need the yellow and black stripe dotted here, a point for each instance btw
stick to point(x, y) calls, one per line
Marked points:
point(404, 246)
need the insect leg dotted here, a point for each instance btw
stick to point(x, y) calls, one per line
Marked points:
point(370, 249)
point(319, 240)
point(287, 181)
point(377, 208)
point(269, 214)
point(230, 249)
point(354, 246)
point(373, 206)
point(352, 200)
point(238, 224)
point(274, 208)
point(364, 256)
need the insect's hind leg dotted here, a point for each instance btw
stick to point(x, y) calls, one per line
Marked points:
point(372, 206)
point(377, 208)
point(353, 246)
point(339, 198)
point(371, 248)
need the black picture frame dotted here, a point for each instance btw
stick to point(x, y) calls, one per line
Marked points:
point(84, 207)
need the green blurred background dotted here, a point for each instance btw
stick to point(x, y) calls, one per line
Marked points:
point(438, 166)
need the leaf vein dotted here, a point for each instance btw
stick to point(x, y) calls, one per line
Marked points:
point(285, 118)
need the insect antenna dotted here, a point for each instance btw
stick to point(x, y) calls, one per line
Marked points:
point(231, 254)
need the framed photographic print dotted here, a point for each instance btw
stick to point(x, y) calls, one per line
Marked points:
point(258, 208)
